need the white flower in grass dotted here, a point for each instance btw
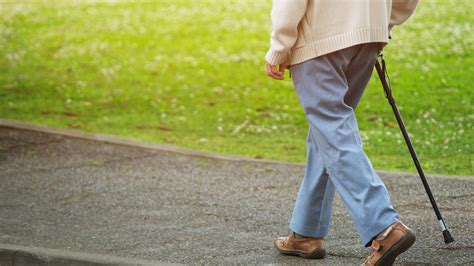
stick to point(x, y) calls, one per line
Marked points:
point(107, 71)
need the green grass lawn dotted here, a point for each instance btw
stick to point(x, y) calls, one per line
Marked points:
point(191, 73)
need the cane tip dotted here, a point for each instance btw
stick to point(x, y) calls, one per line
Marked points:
point(447, 237)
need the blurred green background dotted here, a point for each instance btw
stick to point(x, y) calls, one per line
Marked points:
point(191, 73)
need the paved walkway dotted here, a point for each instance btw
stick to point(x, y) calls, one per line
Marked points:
point(78, 195)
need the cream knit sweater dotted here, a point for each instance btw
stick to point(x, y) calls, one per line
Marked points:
point(304, 29)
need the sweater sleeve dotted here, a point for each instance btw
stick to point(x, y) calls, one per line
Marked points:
point(401, 11)
point(286, 15)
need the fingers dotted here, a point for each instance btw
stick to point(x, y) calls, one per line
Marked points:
point(273, 72)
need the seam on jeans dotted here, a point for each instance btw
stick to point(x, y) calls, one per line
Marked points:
point(321, 203)
point(322, 199)
point(354, 131)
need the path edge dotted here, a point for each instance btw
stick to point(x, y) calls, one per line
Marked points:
point(23, 255)
point(116, 140)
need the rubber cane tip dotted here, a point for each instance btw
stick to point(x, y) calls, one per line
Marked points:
point(447, 237)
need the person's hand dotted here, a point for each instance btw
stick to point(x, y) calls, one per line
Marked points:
point(274, 72)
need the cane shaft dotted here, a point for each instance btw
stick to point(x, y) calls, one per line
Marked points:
point(391, 100)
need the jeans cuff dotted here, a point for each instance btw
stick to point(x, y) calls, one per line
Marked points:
point(309, 231)
point(373, 231)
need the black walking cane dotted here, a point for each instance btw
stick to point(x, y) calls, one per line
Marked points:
point(381, 70)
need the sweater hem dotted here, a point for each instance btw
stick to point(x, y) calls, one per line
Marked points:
point(338, 42)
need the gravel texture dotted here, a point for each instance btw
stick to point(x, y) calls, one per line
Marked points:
point(86, 196)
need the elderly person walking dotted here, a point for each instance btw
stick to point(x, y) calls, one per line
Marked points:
point(331, 47)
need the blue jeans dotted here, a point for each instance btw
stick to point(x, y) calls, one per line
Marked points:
point(329, 88)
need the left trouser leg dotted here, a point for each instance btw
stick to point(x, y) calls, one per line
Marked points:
point(313, 208)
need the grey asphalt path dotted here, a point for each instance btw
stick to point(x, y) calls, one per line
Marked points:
point(90, 197)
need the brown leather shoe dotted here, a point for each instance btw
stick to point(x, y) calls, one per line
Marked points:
point(309, 248)
point(394, 241)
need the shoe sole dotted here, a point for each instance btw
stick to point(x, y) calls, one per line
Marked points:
point(398, 248)
point(317, 254)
